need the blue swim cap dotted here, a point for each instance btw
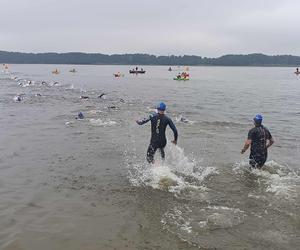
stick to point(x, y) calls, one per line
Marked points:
point(258, 118)
point(80, 115)
point(161, 106)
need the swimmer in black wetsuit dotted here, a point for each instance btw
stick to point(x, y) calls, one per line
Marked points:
point(159, 124)
point(260, 140)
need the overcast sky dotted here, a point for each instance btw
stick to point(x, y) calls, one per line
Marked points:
point(161, 27)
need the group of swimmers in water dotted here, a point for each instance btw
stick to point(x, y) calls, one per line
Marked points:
point(259, 138)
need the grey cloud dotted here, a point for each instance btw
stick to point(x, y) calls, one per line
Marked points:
point(202, 27)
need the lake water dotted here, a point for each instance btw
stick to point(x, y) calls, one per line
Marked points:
point(84, 184)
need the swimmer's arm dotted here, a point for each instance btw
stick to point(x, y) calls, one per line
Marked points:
point(270, 142)
point(246, 146)
point(175, 132)
point(143, 121)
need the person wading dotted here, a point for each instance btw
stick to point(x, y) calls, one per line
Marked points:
point(260, 139)
point(159, 123)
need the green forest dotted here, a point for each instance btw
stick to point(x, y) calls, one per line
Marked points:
point(146, 59)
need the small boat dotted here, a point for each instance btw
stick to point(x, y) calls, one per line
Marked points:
point(181, 79)
point(137, 71)
point(73, 71)
point(55, 71)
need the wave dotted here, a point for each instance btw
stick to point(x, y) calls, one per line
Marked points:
point(190, 223)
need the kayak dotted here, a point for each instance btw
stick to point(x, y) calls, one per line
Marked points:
point(181, 79)
point(137, 71)
point(297, 72)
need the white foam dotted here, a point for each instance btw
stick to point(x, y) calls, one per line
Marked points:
point(99, 122)
point(70, 87)
point(182, 119)
point(176, 174)
point(188, 223)
point(280, 180)
point(69, 123)
point(94, 112)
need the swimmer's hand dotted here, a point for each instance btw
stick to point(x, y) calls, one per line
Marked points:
point(174, 142)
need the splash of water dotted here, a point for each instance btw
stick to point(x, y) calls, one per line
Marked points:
point(175, 174)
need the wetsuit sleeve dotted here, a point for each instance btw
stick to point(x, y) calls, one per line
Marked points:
point(172, 126)
point(251, 134)
point(145, 120)
point(268, 134)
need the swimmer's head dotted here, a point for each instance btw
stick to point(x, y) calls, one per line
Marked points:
point(80, 115)
point(258, 120)
point(161, 107)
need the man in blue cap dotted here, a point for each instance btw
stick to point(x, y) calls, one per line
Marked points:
point(159, 123)
point(260, 139)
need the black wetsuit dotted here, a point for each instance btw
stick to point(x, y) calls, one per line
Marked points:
point(259, 152)
point(158, 140)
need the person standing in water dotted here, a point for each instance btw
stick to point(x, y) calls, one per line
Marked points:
point(159, 123)
point(260, 139)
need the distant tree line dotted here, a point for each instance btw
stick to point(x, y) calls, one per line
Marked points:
point(145, 59)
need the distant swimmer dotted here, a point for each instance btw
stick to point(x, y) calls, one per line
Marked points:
point(184, 120)
point(297, 72)
point(17, 98)
point(260, 139)
point(159, 122)
point(80, 116)
point(84, 97)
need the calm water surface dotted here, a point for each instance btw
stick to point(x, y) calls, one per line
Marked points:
point(84, 184)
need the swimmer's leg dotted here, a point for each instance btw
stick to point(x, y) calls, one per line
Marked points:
point(252, 162)
point(150, 153)
point(162, 153)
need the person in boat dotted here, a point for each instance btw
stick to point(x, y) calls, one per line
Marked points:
point(136, 68)
point(259, 139)
point(159, 123)
point(297, 70)
point(142, 69)
point(178, 76)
